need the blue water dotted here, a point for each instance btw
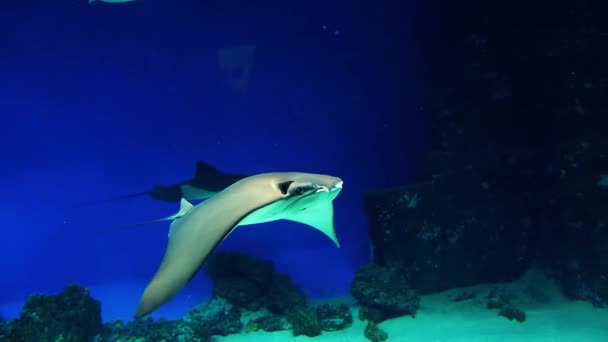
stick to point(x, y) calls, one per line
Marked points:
point(104, 100)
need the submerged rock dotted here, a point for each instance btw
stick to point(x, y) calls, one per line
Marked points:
point(384, 293)
point(374, 334)
point(217, 317)
point(283, 295)
point(512, 313)
point(334, 317)
point(147, 329)
point(71, 316)
point(240, 279)
point(305, 321)
point(269, 323)
point(3, 329)
point(451, 232)
point(252, 284)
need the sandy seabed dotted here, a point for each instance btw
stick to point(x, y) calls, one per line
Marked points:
point(439, 319)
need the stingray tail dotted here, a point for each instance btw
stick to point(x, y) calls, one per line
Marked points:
point(111, 199)
point(185, 206)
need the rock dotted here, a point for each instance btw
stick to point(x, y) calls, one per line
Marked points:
point(269, 323)
point(499, 298)
point(252, 284)
point(217, 317)
point(71, 316)
point(147, 329)
point(385, 290)
point(305, 321)
point(450, 233)
point(374, 334)
point(512, 313)
point(283, 295)
point(240, 279)
point(576, 232)
point(334, 317)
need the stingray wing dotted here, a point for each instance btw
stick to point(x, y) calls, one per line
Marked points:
point(194, 236)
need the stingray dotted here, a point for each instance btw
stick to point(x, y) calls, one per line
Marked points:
point(208, 180)
point(196, 231)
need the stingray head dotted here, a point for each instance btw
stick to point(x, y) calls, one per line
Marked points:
point(306, 198)
point(302, 185)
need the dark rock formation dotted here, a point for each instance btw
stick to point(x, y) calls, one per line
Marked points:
point(450, 233)
point(147, 329)
point(269, 323)
point(383, 293)
point(512, 313)
point(374, 334)
point(71, 316)
point(334, 317)
point(518, 170)
point(283, 295)
point(217, 317)
point(251, 283)
point(3, 329)
point(305, 321)
point(242, 280)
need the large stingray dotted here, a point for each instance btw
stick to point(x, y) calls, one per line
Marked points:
point(197, 230)
point(208, 180)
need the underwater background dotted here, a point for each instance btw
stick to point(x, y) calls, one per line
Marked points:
point(470, 136)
